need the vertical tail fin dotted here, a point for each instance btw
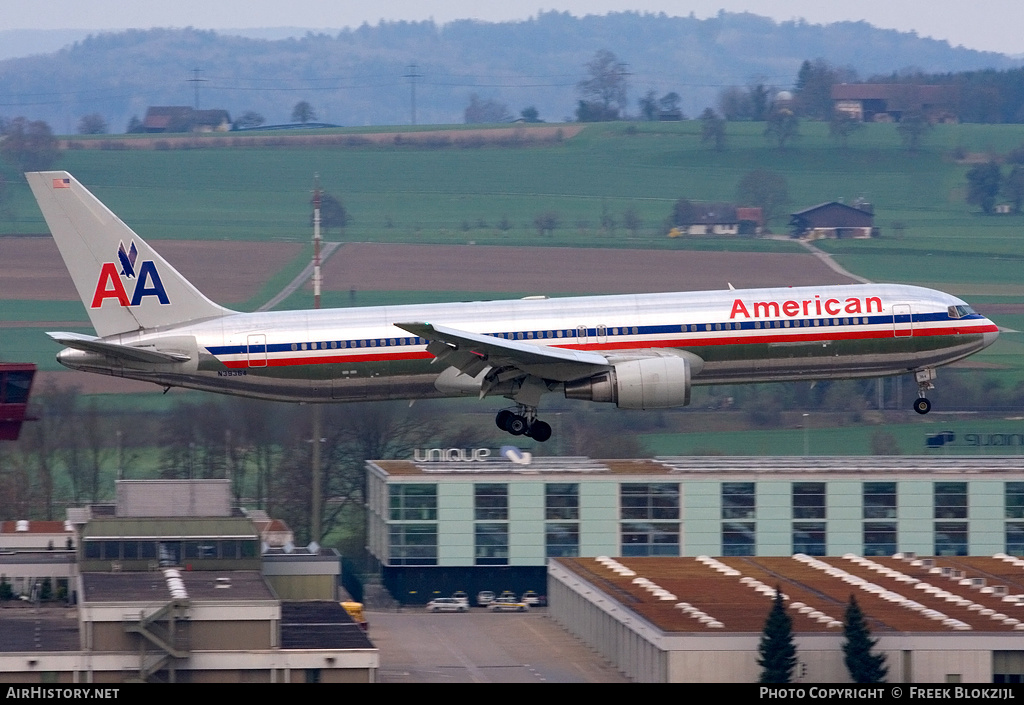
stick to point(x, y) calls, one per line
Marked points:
point(123, 283)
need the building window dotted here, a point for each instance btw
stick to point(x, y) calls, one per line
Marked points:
point(650, 538)
point(1014, 500)
point(650, 513)
point(879, 538)
point(562, 500)
point(809, 501)
point(738, 538)
point(413, 544)
point(491, 544)
point(413, 502)
point(951, 538)
point(649, 500)
point(809, 537)
point(951, 501)
point(561, 539)
point(1015, 538)
point(880, 500)
point(738, 500)
point(490, 501)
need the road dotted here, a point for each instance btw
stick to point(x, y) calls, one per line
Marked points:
point(482, 647)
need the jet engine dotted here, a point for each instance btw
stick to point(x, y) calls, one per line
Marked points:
point(647, 383)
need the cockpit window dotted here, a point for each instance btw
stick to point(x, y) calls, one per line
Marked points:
point(960, 311)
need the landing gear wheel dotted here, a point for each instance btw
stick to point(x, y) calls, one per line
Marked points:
point(540, 431)
point(502, 419)
point(517, 425)
point(922, 406)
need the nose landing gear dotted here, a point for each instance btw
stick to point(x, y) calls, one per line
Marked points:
point(924, 383)
point(524, 423)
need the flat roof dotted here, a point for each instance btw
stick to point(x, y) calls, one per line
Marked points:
point(867, 465)
point(896, 595)
point(152, 587)
point(38, 628)
point(320, 624)
point(169, 529)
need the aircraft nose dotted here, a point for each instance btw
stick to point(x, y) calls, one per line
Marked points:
point(989, 337)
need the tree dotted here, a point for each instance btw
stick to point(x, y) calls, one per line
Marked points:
point(983, 183)
point(632, 221)
point(783, 126)
point(864, 667)
point(485, 111)
point(912, 128)
point(766, 189)
point(683, 213)
point(712, 129)
point(813, 89)
point(777, 651)
point(530, 114)
point(842, 125)
point(605, 84)
point(92, 124)
point(760, 101)
point(303, 112)
point(30, 146)
point(546, 222)
point(332, 213)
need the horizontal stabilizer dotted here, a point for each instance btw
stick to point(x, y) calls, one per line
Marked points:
point(89, 343)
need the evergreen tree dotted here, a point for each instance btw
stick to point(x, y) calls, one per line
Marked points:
point(864, 667)
point(777, 650)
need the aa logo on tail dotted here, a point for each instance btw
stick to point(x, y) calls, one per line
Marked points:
point(110, 284)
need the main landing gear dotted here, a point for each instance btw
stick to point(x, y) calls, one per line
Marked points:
point(924, 383)
point(524, 423)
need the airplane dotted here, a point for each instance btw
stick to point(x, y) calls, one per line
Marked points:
point(638, 351)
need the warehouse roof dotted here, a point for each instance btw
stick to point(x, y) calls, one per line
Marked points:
point(734, 594)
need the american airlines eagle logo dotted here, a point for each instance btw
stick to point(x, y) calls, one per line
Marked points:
point(111, 282)
point(127, 260)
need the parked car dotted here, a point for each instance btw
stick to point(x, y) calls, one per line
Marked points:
point(507, 595)
point(446, 604)
point(531, 598)
point(461, 596)
point(507, 605)
point(484, 598)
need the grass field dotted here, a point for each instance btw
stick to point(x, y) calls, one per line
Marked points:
point(416, 194)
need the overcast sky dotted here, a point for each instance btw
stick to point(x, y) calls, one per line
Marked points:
point(993, 25)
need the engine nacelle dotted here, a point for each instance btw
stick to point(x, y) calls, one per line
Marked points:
point(648, 383)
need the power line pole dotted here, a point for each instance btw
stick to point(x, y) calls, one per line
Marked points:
point(195, 81)
point(412, 73)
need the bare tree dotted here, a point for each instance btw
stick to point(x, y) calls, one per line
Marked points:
point(605, 86)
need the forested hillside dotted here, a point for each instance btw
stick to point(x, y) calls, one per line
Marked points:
point(365, 76)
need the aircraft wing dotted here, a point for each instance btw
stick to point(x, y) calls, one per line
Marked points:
point(89, 343)
point(471, 352)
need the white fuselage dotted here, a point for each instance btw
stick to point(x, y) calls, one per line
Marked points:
point(753, 335)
